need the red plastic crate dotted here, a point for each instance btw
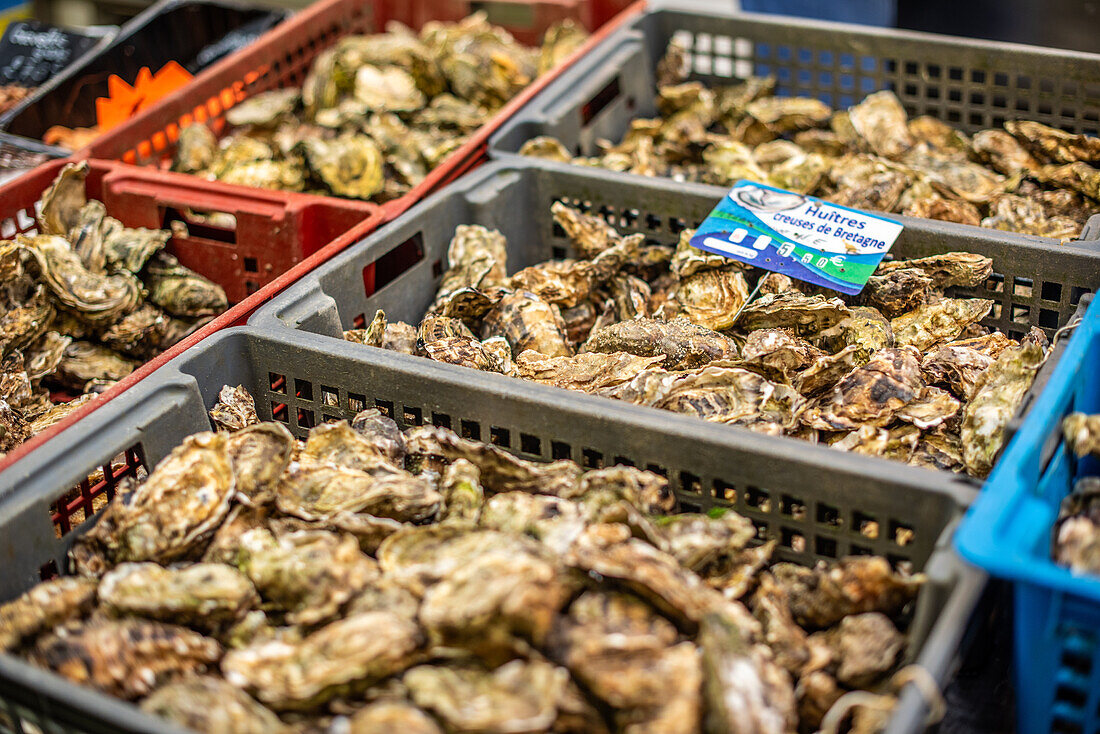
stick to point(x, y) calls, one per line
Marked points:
point(278, 237)
point(283, 57)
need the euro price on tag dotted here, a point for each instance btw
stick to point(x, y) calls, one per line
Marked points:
point(799, 236)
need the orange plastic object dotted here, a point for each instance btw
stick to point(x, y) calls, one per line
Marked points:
point(124, 101)
point(282, 58)
point(253, 243)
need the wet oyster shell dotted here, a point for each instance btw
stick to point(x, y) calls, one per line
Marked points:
point(871, 394)
point(800, 314)
point(95, 299)
point(85, 361)
point(712, 298)
point(964, 269)
point(1052, 144)
point(181, 291)
point(62, 201)
point(824, 595)
point(1001, 151)
point(196, 149)
point(385, 717)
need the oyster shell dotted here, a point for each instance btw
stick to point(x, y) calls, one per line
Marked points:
point(234, 410)
point(1003, 152)
point(343, 656)
point(822, 596)
point(713, 298)
point(196, 149)
point(172, 514)
point(996, 396)
point(308, 575)
point(963, 269)
point(204, 595)
point(528, 322)
point(181, 291)
point(871, 394)
point(880, 121)
point(937, 323)
point(684, 345)
point(800, 314)
point(44, 607)
point(62, 202)
point(518, 697)
point(210, 704)
point(350, 165)
point(127, 658)
point(1075, 534)
point(384, 717)
point(82, 362)
point(1053, 144)
point(1082, 433)
point(95, 299)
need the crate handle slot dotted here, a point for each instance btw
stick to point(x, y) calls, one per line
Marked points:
point(398, 260)
point(208, 224)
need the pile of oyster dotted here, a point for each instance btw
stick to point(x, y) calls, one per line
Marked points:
point(375, 113)
point(901, 371)
point(1076, 539)
point(84, 302)
point(1027, 178)
point(369, 580)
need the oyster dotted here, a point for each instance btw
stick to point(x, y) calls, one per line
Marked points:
point(1075, 534)
point(204, 595)
point(871, 394)
point(129, 249)
point(384, 717)
point(264, 109)
point(1082, 433)
point(350, 165)
point(210, 704)
point(43, 608)
point(798, 313)
point(528, 322)
point(308, 575)
point(587, 371)
point(63, 200)
point(477, 258)
point(93, 298)
point(744, 689)
point(462, 493)
point(127, 658)
point(544, 146)
point(173, 513)
point(196, 149)
point(880, 121)
point(1003, 152)
point(964, 269)
point(82, 362)
point(822, 596)
point(1053, 144)
point(684, 345)
point(937, 323)
point(518, 697)
point(865, 647)
point(996, 396)
point(713, 298)
point(234, 410)
point(343, 656)
point(181, 291)
point(499, 470)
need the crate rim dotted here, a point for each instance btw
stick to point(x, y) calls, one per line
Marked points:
point(980, 539)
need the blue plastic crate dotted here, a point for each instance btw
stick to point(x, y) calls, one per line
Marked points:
point(1008, 533)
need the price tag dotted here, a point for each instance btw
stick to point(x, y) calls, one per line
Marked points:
point(799, 236)
point(32, 52)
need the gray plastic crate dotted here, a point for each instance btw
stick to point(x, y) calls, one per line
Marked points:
point(309, 379)
point(398, 269)
point(971, 84)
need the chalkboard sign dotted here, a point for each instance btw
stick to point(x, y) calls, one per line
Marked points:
point(32, 52)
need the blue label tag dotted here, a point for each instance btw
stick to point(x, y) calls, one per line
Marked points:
point(799, 236)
